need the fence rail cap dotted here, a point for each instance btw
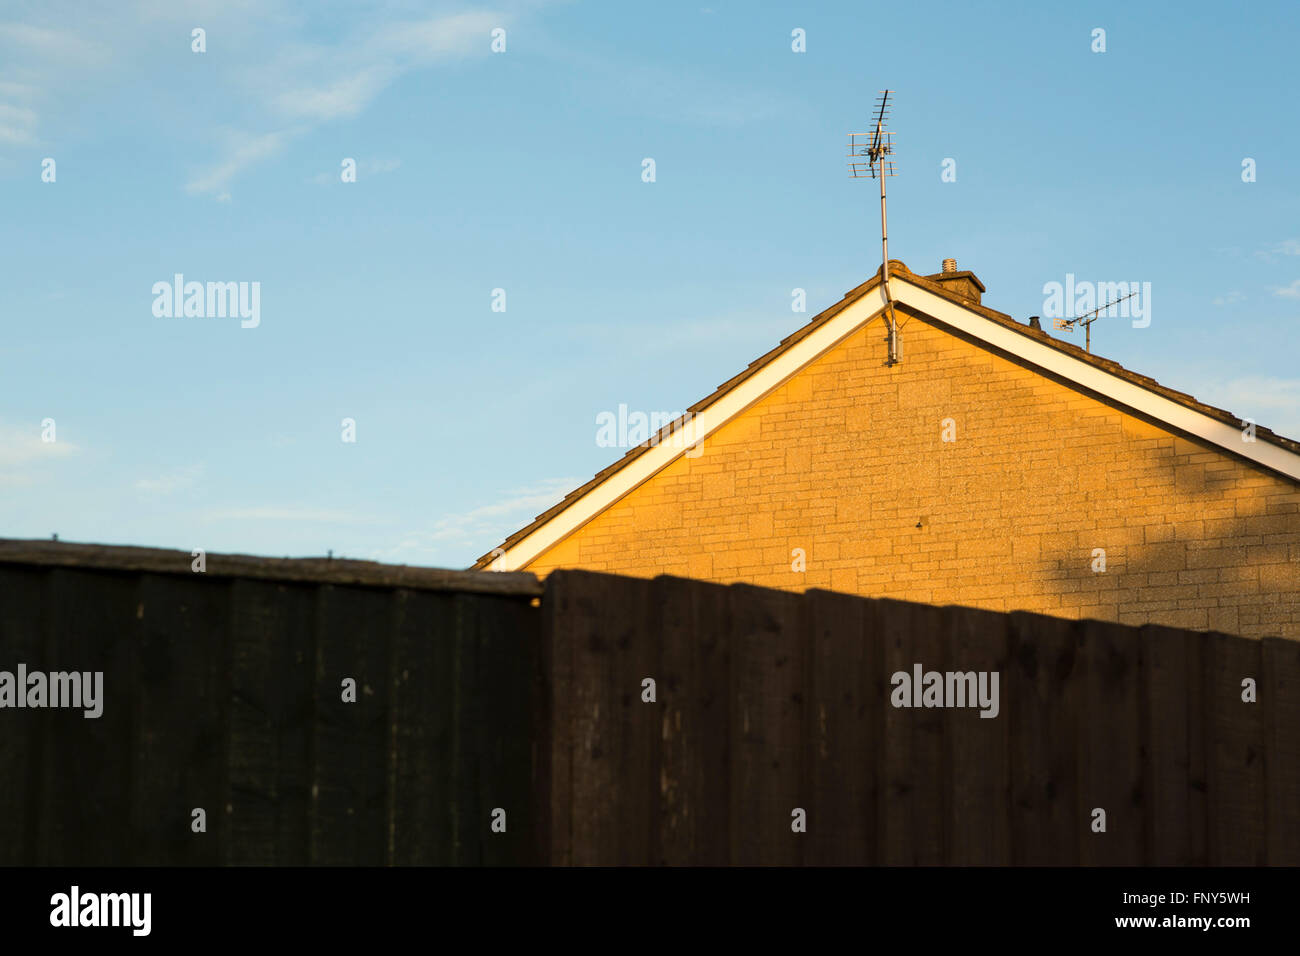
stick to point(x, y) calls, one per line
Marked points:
point(309, 570)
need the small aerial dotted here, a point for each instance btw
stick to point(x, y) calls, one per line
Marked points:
point(1068, 324)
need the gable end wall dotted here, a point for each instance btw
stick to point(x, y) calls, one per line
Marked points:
point(845, 458)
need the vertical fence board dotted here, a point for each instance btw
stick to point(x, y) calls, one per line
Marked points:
point(980, 781)
point(21, 642)
point(694, 695)
point(843, 719)
point(421, 775)
point(1279, 689)
point(560, 609)
point(1199, 728)
point(182, 712)
point(85, 790)
point(767, 723)
point(1110, 746)
point(1167, 779)
point(1047, 823)
point(272, 667)
point(915, 783)
point(615, 782)
point(497, 666)
point(349, 744)
point(1234, 753)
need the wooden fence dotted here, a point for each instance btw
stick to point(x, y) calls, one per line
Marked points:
point(770, 701)
point(223, 692)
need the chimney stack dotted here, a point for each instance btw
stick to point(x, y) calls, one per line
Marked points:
point(964, 284)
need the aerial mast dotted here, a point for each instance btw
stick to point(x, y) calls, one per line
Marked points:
point(878, 148)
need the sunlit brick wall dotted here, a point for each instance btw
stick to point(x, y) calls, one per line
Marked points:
point(847, 457)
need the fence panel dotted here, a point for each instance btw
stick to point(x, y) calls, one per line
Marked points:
point(224, 692)
point(1280, 695)
point(490, 729)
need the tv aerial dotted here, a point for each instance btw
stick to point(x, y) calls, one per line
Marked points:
point(878, 149)
point(1086, 322)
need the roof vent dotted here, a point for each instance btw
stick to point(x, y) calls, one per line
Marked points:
point(949, 265)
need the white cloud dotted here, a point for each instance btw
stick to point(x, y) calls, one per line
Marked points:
point(1291, 291)
point(308, 84)
point(1287, 247)
point(1229, 299)
point(271, 513)
point(22, 446)
point(671, 93)
point(59, 46)
point(17, 125)
point(366, 168)
point(22, 452)
point(525, 503)
point(482, 527)
point(674, 336)
point(1270, 401)
point(345, 97)
point(17, 91)
point(247, 149)
point(318, 82)
point(36, 61)
point(274, 81)
point(172, 481)
point(377, 167)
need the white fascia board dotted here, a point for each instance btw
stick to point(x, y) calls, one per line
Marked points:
point(1167, 411)
point(727, 407)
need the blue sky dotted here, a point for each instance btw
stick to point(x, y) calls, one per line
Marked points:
point(522, 171)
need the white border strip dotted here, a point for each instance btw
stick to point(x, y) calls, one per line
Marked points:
point(845, 323)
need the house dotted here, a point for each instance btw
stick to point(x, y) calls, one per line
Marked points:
point(993, 466)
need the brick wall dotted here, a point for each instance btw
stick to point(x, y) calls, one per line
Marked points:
point(846, 458)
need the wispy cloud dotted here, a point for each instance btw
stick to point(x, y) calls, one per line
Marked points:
point(335, 99)
point(480, 527)
point(366, 168)
point(674, 336)
point(17, 125)
point(36, 59)
point(271, 513)
point(1291, 291)
point(22, 451)
point(524, 503)
point(245, 150)
point(273, 91)
point(1287, 247)
point(319, 82)
point(61, 46)
point(1270, 401)
point(171, 481)
point(671, 94)
point(307, 84)
point(1231, 298)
